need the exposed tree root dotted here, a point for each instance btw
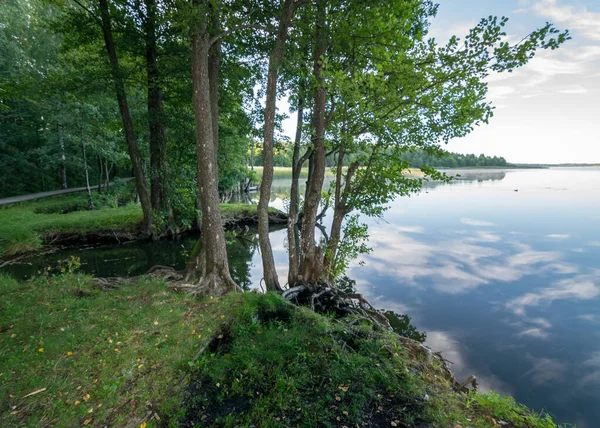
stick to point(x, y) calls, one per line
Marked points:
point(322, 298)
point(112, 283)
point(211, 284)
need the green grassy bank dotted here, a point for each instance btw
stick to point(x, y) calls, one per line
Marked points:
point(27, 226)
point(72, 354)
point(281, 172)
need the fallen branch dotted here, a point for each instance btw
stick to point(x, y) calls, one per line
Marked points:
point(28, 255)
point(34, 392)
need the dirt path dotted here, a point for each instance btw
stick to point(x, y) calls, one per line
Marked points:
point(21, 198)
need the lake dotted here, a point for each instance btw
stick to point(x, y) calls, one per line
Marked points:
point(500, 268)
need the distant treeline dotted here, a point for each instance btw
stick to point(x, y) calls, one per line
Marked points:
point(418, 158)
point(453, 160)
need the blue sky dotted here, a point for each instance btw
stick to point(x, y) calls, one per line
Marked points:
point(548, 111)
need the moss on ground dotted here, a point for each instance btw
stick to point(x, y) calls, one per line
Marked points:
point(144, 355)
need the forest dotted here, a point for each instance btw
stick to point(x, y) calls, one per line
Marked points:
point(186, 97)
point(283, 156)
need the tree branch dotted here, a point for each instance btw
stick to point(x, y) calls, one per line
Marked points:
point(89, 12)
point(232, 30)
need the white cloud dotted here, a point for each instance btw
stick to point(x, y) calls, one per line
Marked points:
point(482, 236)
point(593, 361)
point(558, 236)
point(583, 53)
point(527, 256)
point(473, 222)
point(497, 92)
point(579, 19)
point(547, 65)
point(542, 322)
point(587, 317)
point(411, 229)
point(574, 90)
point(460, 264)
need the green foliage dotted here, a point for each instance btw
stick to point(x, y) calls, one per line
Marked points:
point(402, 326)
point(53, 89)
point(70, 265)
point(19, 242)
point(398, 95)
point(506, 409)
point(352, 244)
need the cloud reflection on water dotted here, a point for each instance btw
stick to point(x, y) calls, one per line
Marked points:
point(593, 364)
point(447, 343)
point(458, 263)
point(545, 370)
point(581, 287)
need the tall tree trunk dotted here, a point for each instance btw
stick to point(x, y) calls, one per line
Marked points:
point(210, 266)
point(100, 172)
point(134, 152)
point(269, 271)
point(295, 198)
point(214, 62)
point(85, 168)
point(87, 178)
point(341, 209)
point(311, 263)
point(62, 169)
point(158, 139)
point(107, 178)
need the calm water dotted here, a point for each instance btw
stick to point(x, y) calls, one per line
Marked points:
point(506, 283)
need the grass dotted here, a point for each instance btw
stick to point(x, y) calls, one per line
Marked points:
point(26, 226)
point(129, 356)
point(281, 172)
point(19, 242)
point(101, 356)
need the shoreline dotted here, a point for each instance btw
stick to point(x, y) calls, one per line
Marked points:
point(26, 229)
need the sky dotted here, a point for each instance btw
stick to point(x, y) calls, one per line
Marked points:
point(549, 110)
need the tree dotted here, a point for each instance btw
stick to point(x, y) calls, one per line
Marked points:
point(210, 266)
point(392, 90)
point(269, 271)
point(310, 268)
point(134, 152)
point(157, 134)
